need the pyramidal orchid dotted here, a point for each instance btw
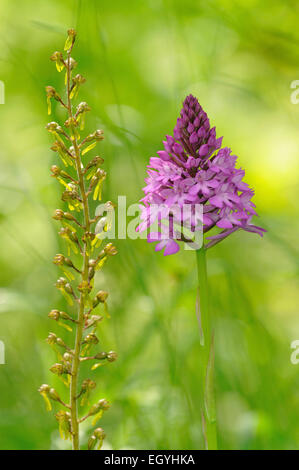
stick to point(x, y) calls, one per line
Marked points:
point(195, 171)
point(192, 170)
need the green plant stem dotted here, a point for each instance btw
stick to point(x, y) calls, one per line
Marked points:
point(207, 394)
point(84, 275)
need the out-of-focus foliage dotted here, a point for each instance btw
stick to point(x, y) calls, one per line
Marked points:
point(140, 60)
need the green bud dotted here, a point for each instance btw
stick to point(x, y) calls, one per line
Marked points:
point(53, 394)
point(91, 442)
point(99, 433)
point(71, 35)
point(101, 355)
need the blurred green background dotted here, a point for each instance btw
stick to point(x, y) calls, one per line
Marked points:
point(140, 60)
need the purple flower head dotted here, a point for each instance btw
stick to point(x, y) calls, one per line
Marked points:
point(193, 170)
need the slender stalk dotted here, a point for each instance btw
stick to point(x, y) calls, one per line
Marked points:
point(84, 275)
point(207, 393)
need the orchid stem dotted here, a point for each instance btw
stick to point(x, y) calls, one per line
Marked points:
point(207, 393)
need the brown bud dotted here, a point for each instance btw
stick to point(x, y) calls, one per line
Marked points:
point(55, 170)
point(88, 384)
point(94, 409)
point(82, 108)
point(71, 122)
point(112, 356)
point(98, 134)
point(54, 315)
point(84, 287)
point(58, 214)
point(91, 338)
point(56, 56)
point(110, 249)
point(45, 388)
point(57, 369)
point(68, 288)
point(59, 259)
point(67, 357)
point(94, 162)
point(102, 296)
point(52, 126)
point(104, 404)
point(60, 283)
point(52, 93)
point(68, 216)
point(53, 394)
point(52, 338)
point(78, 79)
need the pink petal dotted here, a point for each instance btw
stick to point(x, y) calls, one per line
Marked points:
point(161, 245)
point(224, 223)
point(164, 155)
point(216, 201)
point(171, 248)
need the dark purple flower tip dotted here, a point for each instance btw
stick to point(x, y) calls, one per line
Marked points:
point(203, 151)
point(194, 138)
point(164, 155)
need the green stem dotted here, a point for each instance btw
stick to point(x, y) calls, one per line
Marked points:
point(84, 275)
point(207, 394)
